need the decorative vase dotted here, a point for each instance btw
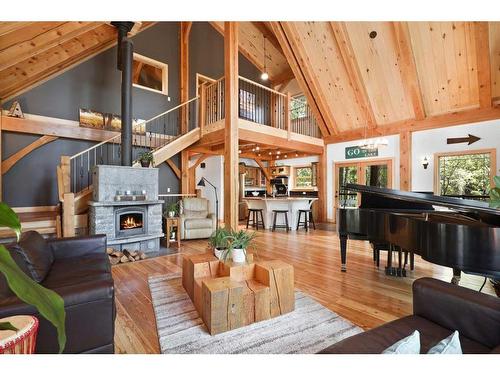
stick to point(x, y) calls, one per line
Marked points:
point(145, 163)
point(238, 255)
point(171, 213)
point(219, 253)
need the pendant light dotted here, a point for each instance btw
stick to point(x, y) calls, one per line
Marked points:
point(264, 76)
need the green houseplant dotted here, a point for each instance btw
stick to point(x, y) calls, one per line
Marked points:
point(172, 209)
point(219, 241)
point(48, 303)
point(146, 158)
point(495, 193)
point(238, 243)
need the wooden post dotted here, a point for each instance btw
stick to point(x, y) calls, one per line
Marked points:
point(202, 105)
point(69, 215)
point(1, 179)
point(405, 160)
point(288, 121)
point(66, 174)
point(185, 30)
point(321, 182)
point(231, 125)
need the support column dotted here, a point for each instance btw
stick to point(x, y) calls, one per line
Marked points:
point(185, 30)
point(405, 160)
point(127, 50)
point(321, 182)
point(231, 125)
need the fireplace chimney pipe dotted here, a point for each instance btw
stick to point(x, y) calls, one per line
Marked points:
point(123, 28)
point(127, 51)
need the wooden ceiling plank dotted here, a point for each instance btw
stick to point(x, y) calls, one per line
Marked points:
point(269, 35)
point(342, 38)
point(26, 31)
point(13, 55)
point(408, 68)
point(481, 36)
point(494, 42)
point(297, 71)
point(8, 27)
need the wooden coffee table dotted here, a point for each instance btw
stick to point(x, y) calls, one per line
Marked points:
point(230, 295)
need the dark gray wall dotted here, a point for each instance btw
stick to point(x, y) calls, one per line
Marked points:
point(95, 84)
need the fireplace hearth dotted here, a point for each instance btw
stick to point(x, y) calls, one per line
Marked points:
point(129, 224)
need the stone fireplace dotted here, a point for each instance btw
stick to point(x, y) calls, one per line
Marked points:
point(125, 207)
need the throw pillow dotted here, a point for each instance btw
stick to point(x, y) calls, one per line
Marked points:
point(408, 345)
point(37, 256)
point(449, 345)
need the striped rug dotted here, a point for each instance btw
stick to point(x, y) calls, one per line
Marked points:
point(308, 329)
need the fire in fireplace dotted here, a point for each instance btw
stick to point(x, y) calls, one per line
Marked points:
point(130, 221)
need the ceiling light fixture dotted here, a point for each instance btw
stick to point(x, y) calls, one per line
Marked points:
point(264, 76)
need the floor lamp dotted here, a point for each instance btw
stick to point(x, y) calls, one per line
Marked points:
point(202, 184)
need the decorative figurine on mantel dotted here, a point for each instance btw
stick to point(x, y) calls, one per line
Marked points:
point(15, 110)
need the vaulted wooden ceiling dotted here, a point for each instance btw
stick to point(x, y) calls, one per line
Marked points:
point(373, 77)
point(33, 52)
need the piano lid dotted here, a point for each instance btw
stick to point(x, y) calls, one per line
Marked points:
point(462, 205)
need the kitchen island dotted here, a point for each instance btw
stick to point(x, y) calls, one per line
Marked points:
point(268, 204)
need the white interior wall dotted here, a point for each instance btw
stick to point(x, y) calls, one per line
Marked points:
point(336, 153)
point(427, 143)
point(213, 172)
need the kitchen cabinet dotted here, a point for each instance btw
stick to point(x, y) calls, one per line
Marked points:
point(280, 170)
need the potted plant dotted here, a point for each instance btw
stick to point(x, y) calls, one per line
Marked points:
point(48, 303)
point(495, 193)
point(146, 159)
point(238, 243)
point(172, 209)
point(218, 242)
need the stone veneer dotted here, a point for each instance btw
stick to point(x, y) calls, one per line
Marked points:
point(107, 181)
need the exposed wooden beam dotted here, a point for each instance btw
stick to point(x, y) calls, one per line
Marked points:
point(231, 157)
point(405, 160)
point(8, 163)
point(481, 37)
point(296, 67)
point(322, 185)
point(341, 36)
point(283, 77)
point(440, 121)
point(174, 168)
point(200, 160)
point(14, 54)
point(268, 34)
point(185, 30)
point(408, 68)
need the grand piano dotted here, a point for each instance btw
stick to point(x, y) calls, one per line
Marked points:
point(452, 232)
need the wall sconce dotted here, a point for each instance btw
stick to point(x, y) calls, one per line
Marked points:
point(425, 162)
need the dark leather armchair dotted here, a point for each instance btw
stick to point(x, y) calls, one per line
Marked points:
point(439, 308)
point(81, 274)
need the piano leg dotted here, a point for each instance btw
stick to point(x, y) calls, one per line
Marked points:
point(389, 270)
point(456, 276)
point(343, 251)
point(412, 260)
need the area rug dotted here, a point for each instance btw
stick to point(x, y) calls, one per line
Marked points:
point(308, 329)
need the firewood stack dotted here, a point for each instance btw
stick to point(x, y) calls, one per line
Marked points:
point(124, 256)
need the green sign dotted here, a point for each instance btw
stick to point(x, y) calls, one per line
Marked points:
point(355, 152)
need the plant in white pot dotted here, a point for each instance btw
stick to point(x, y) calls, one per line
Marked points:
point(172, 209)
point(238, 243)
point(218, 241)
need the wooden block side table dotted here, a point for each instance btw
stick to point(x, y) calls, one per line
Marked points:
point(172, 223)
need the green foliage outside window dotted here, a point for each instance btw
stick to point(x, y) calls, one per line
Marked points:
point(464, 174)
point(298, 107)
point(303, 177)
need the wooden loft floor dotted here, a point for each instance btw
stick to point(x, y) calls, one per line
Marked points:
point(364, 295)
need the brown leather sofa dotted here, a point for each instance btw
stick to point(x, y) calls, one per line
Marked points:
point(78, 270)
point(439, 308)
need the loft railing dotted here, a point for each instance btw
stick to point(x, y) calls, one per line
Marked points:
point(262, 105)
point(76, 170)
point(302, 119)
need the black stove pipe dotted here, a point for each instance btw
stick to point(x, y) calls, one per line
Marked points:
point(127, 51)
point(123, 28)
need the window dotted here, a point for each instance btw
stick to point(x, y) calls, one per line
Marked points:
point(247, 105)
point(298, 106)
point(303, 177)
point(465, 174)
point(150, 74)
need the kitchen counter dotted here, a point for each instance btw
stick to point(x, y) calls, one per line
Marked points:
point(268, 204)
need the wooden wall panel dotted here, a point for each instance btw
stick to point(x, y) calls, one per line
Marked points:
point(445, 56)
point(318, 50)
point(378, 64)
point(495, 60)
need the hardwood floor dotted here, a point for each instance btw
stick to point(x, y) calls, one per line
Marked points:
point(364, 294)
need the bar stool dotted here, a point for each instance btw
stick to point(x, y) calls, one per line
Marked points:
point(275, 214)
point(256, 220)
point(308, 217)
